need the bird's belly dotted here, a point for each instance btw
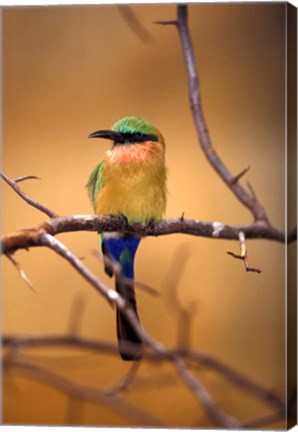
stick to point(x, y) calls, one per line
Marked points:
point(133, 192)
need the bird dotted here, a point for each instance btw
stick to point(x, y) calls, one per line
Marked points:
point(129, 182)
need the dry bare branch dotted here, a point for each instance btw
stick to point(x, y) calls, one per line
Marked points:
point(243, 254)
point(33, 203)
point(21, 272)
point(243, 383)
point(27, 177)
point(204, 139)
point(125, 383)
point(31, 237)
point(202, 395)
point(213, 410)
point(83, 392)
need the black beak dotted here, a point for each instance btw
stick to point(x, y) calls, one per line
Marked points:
point(108, 134)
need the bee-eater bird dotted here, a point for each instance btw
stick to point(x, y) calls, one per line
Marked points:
point(130, 182)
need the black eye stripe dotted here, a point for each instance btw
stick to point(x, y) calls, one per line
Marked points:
point(134, 137)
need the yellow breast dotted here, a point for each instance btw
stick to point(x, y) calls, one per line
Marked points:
point(134, 182)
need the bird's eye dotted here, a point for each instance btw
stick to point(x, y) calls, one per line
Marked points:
point(138, 136)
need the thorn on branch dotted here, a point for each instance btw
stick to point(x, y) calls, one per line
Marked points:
point(182, 216)
point(27, 177)
point(243, 254)
point(21, 272)
point(237, 177)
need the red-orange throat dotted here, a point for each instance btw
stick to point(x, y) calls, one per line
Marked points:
point(135, 152)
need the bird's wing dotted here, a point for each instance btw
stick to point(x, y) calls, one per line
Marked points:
point(94, 185)
point(95, 182)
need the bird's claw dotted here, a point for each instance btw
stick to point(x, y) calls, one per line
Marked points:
point(124, 220)
point(151, 225)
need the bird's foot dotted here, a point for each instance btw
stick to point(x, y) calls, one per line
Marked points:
point(124, 220)
point(151, 225)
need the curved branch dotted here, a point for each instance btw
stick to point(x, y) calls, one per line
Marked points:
point(83, 392)
point(199, 358)
point(25, 197)
point(248, 200)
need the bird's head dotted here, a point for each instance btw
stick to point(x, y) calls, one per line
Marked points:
point(130, 130)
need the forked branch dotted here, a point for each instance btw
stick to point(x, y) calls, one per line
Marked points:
point(194, 91)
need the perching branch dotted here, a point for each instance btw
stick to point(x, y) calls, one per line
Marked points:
point(31, 237)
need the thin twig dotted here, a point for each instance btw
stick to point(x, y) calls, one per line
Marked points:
point(33, 203)
point(241, 381)
point(127, 382)
point(243, 254)
point(27, 177)
point(21, 272)
point(213, 410)
point(51, 242)
point(166, 22)
point(113, 297)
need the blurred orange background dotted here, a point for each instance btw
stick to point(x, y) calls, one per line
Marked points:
point(71, 70)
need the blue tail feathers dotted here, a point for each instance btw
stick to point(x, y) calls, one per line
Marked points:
point(123, 250)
